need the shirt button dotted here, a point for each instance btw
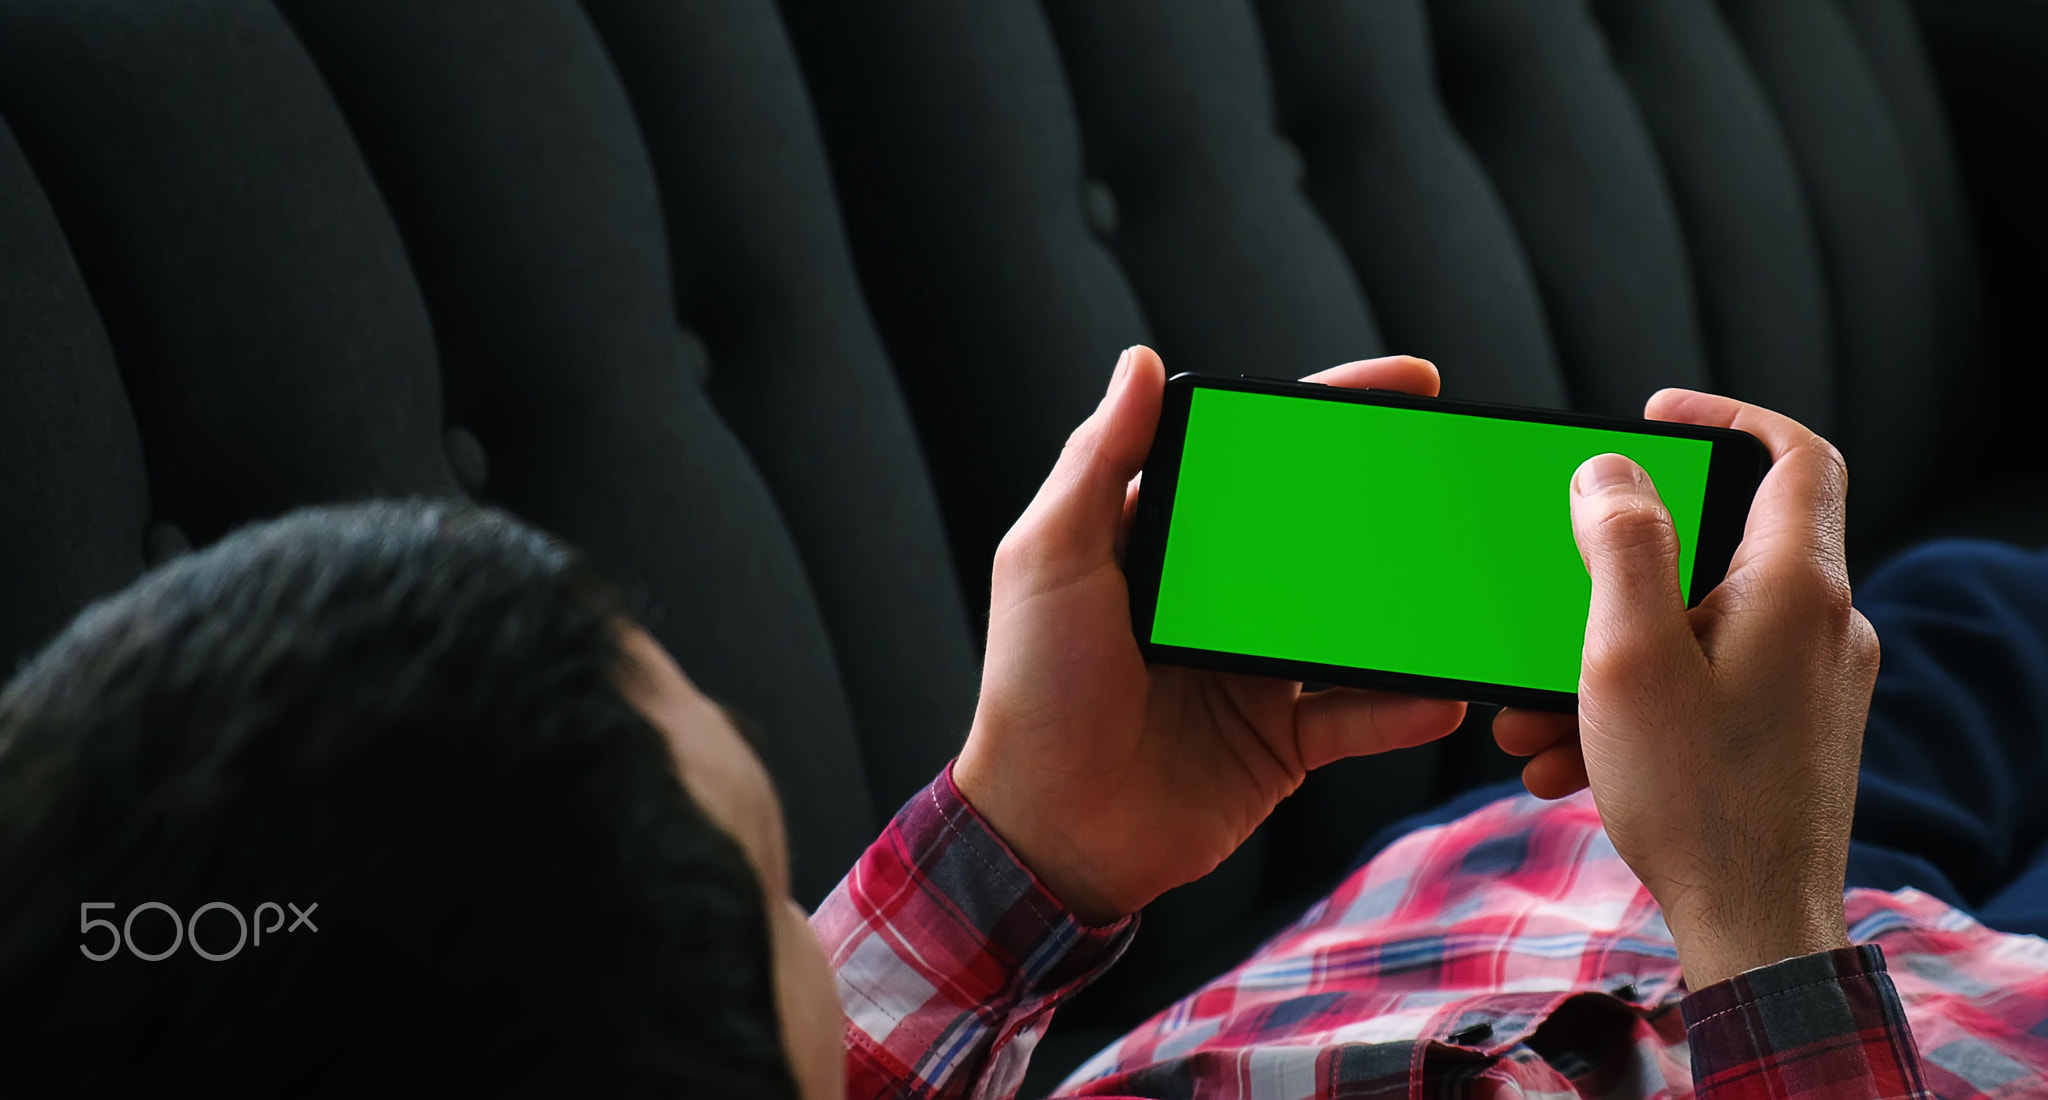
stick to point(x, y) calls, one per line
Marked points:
point(1477, 1033)
point(1626, 991)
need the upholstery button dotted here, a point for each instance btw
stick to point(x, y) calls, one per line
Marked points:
point(1098, 202)
point(695, 356)
point(466, 458)
point(163, 542)
point(1295, 168)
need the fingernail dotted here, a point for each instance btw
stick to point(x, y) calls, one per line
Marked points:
point(1123, 366)
point(1603, 472)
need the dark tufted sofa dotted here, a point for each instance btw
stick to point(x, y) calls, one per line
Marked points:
point(783, 312)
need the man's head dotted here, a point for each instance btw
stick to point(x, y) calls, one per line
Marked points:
point(541, 860)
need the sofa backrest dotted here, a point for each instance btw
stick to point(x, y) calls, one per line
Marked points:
point(1561, 201)
point(74, 493)
point(584, 260)
point(385, 248)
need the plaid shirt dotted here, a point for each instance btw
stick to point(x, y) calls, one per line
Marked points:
point(1510, 953)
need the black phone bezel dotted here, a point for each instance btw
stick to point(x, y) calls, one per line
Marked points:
point(1735, 469)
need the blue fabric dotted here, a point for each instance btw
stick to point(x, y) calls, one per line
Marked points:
point(1954, 793)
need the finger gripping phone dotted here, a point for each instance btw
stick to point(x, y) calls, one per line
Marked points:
point(1378, 540)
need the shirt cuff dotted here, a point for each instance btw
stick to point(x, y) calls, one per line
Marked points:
point(961, 856)
point(1819, 1025)
point(950, 954)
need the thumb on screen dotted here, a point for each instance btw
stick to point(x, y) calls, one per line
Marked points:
point(1630, 548)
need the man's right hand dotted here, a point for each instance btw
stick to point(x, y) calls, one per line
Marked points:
point(1721, 743)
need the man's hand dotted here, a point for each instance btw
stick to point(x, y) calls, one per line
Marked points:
point(1721, 743)
point(1112, 780)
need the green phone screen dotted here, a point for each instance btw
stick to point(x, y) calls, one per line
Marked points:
point(1398, 540)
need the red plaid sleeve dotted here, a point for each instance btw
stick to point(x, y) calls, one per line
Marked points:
point(950, 956)
point(1826, 1025)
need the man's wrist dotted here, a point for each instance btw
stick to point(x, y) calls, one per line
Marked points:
point(1734, 934)
point(1073, 892)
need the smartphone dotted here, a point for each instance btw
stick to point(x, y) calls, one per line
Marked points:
point(1412, 544)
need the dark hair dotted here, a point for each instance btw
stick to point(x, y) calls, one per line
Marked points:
point(410, 716)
